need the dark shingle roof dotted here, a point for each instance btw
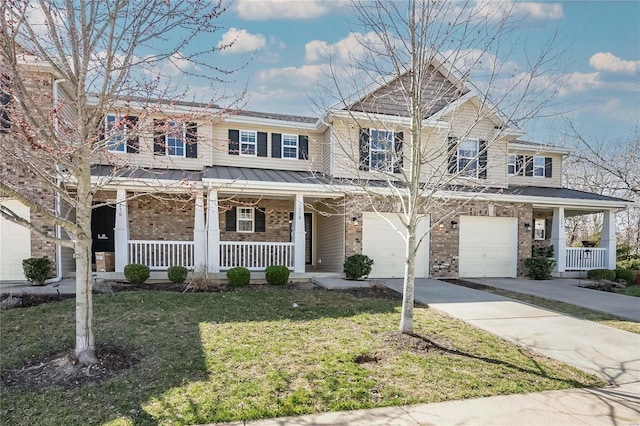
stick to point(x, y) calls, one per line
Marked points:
point(273, 116)
point(263, 175)
point(572, 194)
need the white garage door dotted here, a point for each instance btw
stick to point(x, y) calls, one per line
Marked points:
point(488, 246)
point(15, 243)
point(386, 247)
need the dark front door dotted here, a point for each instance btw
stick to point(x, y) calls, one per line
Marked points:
point(308, 237)
point(103, 220)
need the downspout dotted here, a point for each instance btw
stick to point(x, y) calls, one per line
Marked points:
point(56, 125)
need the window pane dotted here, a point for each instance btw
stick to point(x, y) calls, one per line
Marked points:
point(245, 226)
point(116, 135)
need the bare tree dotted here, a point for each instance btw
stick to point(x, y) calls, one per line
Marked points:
point(411, 74)
point(65, 65)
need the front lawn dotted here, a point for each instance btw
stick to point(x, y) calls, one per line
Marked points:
point(632, 290)
point(251, 354)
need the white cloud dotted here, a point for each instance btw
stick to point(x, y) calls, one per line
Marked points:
point(254, 10)
point(611, 63)
point(355, 46)
point(304, 76)
point(240, 41)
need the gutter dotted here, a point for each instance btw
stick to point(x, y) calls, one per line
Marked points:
point(58, 277)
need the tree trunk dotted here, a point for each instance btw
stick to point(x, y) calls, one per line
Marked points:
point(406, 321)
point(85, 344)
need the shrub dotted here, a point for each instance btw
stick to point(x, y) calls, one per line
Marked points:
point(277, 274)
point(601, 274)
point(357, 266)
point(177, 274)
point(633, 264)
point(36, 269)
point(539, 268)
point(238, 277)
point(627, 275)
point(136, 273)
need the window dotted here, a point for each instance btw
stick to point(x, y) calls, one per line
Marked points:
point(511, 165)
point(539, 229)
point(116, 133)
point(290, 146)
point(381, 150)
point(468, 158)
point(248, 142)
point(175, 139)
point(245, 219)
point(538, 166)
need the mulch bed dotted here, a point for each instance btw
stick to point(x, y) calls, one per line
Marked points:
point(59, 369)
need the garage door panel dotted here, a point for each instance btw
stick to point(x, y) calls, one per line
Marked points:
point(15, 243)
point(488, 246)
point(382, 243)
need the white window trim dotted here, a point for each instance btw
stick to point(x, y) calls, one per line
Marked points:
point(390, 152)
point(543, 167)
point(536, 230)
point(289, 146)
point(239, 219)
point(255, 144)
point(475, 158)
point(108, 131)
point(184, 139)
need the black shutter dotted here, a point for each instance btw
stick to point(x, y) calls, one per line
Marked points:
point(260, 218)
point(397, 164)
point(5, 103)
point(101, 128)
point(452, 151)
point(303, 147)
point(519, 165)
point(159, 141)
point(191, 150)
point(528, 166)
point(548, 162)
point(133, 144)
point(482, 159)
point(230, 220)
point(234, 142)
point(364, 149)
point(276, 145)
point(262, 144)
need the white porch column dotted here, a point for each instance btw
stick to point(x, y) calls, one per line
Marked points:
point(608, 238)
point(121, 231)
point(298, 235)
point(199, 235)
point(558, 239)
point(213, 232)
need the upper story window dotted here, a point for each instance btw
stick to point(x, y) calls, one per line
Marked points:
point(531, 166)
point(538, 166)
point(245, 219)
point(290, 146)
point(175, 139)
point(468, 158)
point(248, 140)
point(380, 150)
point(116, 133)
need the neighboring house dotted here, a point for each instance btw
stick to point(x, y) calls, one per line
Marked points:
point(256, 189)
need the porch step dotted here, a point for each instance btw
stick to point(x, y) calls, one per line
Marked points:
point(569, 274)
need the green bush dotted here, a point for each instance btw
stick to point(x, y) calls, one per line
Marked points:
point(601, 274)
point(277, 274)
point(136, 273)
point(238, 277)
point(539, 268)
point(36, 269)
point(633, 264)
point(357, 266)
point(627, 275)
point(177, 274)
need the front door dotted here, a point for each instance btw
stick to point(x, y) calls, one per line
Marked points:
point(103, 220)
point(308, 237)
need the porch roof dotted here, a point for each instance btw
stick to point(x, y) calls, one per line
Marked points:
point(264, 175)
point(565, 193)
point(101, 170)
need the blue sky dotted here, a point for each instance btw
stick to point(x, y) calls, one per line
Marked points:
point(598, 71)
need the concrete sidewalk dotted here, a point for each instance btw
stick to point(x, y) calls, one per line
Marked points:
point(570, 291)
point(610, 406)
point(64, 286)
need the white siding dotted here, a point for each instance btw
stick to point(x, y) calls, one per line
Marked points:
point(329, 238)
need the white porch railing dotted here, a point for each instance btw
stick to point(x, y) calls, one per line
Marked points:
point(159, 255)
point(585, 258)
point(255, 256)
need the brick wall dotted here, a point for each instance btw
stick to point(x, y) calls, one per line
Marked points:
point(162, 217)
point(276, 220)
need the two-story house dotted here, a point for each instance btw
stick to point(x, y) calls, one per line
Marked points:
point(253, 189)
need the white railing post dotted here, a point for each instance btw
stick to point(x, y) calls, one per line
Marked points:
point(608, 239)
point(298, 235)
point(213, 232)
point(558, 238)
point(199, 235)
point(121, 231)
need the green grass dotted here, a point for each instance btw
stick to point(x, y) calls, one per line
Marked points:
point(248, 354)
point(562, 307)
point(633, 290)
